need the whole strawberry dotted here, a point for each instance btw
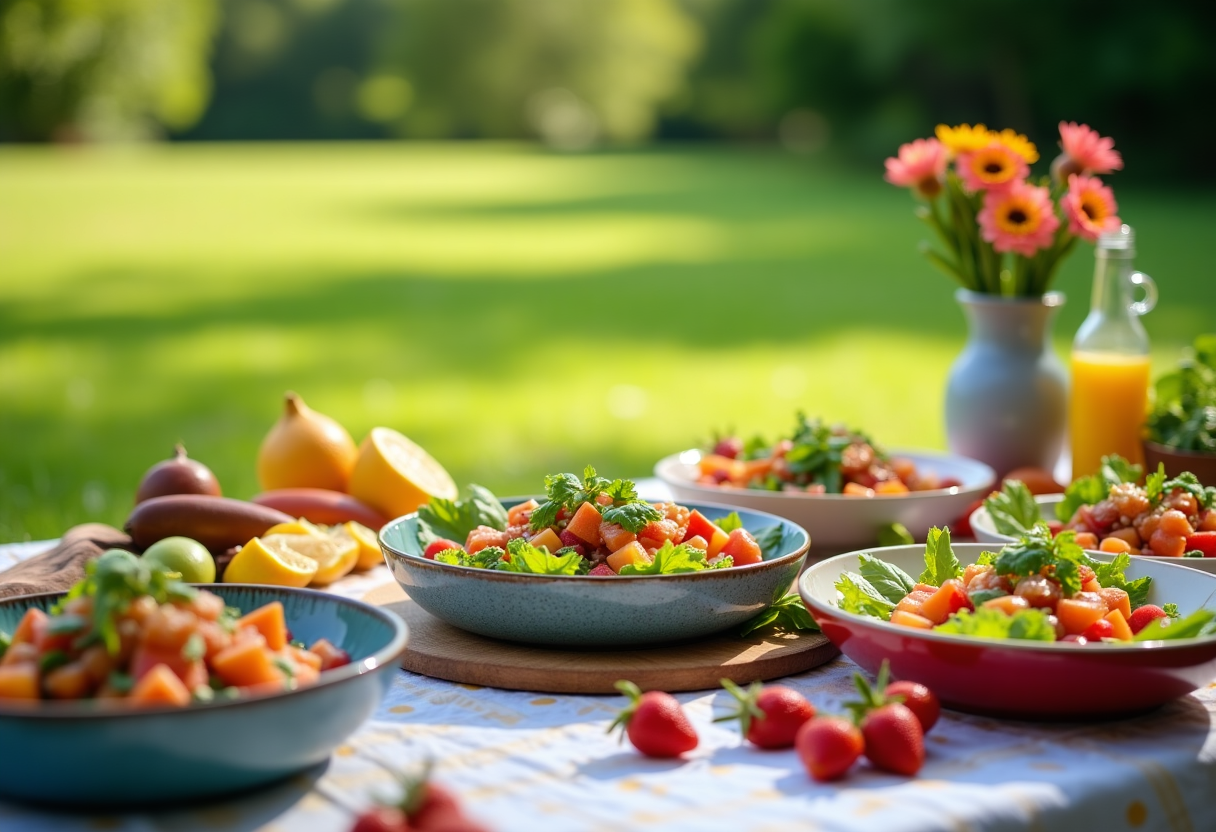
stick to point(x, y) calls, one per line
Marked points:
point(654, 722)
point(918, 699)
point(424, 806)
point(828, 746)
point(769, 717)
point(895, 740)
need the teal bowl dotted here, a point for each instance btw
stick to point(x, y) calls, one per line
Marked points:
point(580, 610)
point(95, 753)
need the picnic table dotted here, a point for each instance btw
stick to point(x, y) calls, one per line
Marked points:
point(540, 762)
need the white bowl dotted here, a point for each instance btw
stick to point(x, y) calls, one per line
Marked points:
point(834, 521)
point(985, 532)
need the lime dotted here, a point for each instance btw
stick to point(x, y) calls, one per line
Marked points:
point(187, 557)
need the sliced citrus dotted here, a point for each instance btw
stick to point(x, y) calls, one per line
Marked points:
point(334, 555)
point(299, 526)
point(270, 562)
point(369, 545)
point(395, 476)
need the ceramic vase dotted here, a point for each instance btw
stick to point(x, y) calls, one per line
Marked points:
point(1007, 394)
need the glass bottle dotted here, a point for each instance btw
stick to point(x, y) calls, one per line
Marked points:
point(1110, 360)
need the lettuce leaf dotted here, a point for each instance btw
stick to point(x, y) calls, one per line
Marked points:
point(485, 558)
point(889, 580)
point(788, 615)
point(1028, 625)
point(941, 564)
point(1085, 491)
point(1111, 575)
point(1013, 509)
point(454, 519)
point(857, 595)
point(770, 539)
point(670, 560)
point(534, 560)
point(730, 522)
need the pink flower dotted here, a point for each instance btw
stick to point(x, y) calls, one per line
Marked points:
point(920, 166)
point(1090, 207)
point(991, 168)
point(1087, 151)
point(1019, 218)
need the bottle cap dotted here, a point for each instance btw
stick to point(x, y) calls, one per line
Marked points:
point(1122, 240)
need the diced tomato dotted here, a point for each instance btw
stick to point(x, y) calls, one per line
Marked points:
point(615, 537)
point(946, 601)
point(742, 548)
point(518, 515)
point(192, 673)
point(1100, 629)
point(700, 526)
point(1203, 542)
point(331, 656)
point(484, 536)
point(438, 545)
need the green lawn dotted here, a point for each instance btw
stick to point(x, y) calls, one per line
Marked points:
point(513, 311)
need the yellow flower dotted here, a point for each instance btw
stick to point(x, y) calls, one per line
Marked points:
point(1019, 144)
point(964, 138)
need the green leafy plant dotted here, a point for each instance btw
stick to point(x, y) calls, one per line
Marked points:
point(1184, 410)
point(670, 559)
point(454, 519)
point(1030, 625)
point(1013, 509)
point(787, 614)
point(567, 491)
point(1085, 491)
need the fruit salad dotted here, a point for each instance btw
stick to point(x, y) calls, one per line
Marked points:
point(134, 633)
point(1040, 588)
point(587, 525)
point(816, 459)
point(1110, 511)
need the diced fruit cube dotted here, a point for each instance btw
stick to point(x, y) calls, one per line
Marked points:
point(911, 619)
point(742, 548)
point(697, 542)
point(853, 489)
point(660, 531)
point(71, 681)
point(270, 621)
point(700, 526)
point(192, 672)
point(1087, 540)
point(717, 543)
point(19, 681)
point(629, 553)
point(1008, 604)
point(1119, 625)
point(1114, 545)
point(913, 601)
point(946, 601)
point(485, 536)
point(518, 515)
point(1099, 630)
point(31, 627)
point(615, 537)
point(331, 656)
point(1077, 615)
point(586, 524)
point(160, 686)
point(547, 538)
point(890, 487)
point(1117, 599)
point(247, 663)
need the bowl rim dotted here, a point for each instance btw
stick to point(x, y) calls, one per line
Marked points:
point(90, 709)
point(953, 491)
point(417, 561)
point(1022, 645)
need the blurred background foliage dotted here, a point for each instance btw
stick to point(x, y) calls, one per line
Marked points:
point(862, 75)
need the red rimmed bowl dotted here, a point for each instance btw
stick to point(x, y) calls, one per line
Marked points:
point(1023, 679)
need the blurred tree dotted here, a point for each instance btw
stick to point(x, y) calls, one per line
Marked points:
point(570, 71)
point(103, 69)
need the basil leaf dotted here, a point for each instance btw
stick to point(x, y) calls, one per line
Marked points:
point(941, 564)
point(1013, 509)
point(454, 519)
point(858, 596)
point(889, 580)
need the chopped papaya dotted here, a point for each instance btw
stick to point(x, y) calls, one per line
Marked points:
point(911, 619)
point(270, 621)
point(549, 539)
point(1075, 616)
point(160, 686)
point(629, 553)
point(31, 627)
point(19, 681)
point(247, 663)
point(1120, 629)
point(585, 524)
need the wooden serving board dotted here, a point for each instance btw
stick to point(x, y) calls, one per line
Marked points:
point(442, 651)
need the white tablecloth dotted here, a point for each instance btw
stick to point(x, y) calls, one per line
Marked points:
point(537, 762)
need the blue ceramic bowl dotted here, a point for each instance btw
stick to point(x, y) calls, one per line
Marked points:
point(94, 753)
point(579, 610)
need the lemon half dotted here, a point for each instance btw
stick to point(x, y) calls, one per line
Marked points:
point(270, 562)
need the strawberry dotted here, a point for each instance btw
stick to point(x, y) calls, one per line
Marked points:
point(424, 806)
point(729, 446)
point(768, 716)
point(895, 740)
point(438, 545)
point(919, 700)
point(654, 722)
point(1141, 617)
point(381, 819)
point(603, 569)
point(569, 538)
point(828, 746)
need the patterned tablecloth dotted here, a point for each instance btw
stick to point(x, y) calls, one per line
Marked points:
point(535, 762)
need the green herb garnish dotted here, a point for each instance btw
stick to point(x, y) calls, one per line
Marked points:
point(1028, 625)
point(787, 614)
point(454, 519)
point(1013, 509)
point(670, 559)
point(567, 491)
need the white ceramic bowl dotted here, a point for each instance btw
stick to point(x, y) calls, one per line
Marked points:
point(985, 532)
point(834, 521)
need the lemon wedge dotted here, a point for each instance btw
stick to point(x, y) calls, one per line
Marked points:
point(369, 545)
point(395, 476)
point(299, 526)
point(334, 554)
point(270, 562)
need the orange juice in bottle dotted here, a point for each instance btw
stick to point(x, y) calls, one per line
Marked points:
point(1110, 360)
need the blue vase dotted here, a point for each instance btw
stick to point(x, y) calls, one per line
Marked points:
point(1007, 395)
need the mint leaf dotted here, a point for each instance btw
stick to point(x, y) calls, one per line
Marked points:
point(730, 522)
point(1037, 550)
point(1111, 575)
point(857, 595)
point(770, 539)
point(788, 614)
point(889, 580)
point(941, 564)
point(1027, 625)
point(670, 560)
point(1013, 509)
point(454, 519)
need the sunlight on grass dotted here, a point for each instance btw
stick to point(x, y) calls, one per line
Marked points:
point(514, 312)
